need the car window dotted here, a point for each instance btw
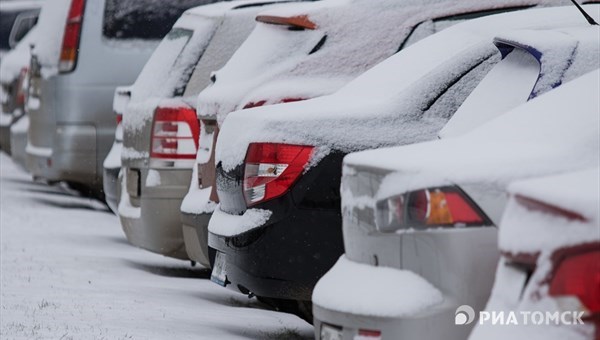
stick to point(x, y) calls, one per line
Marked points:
point(23, 23)
point(448, 102)
point(7, 20)
point(143, 19)
point(429, 27)
point(506, 86)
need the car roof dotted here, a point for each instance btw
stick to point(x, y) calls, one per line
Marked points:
point(377, 105)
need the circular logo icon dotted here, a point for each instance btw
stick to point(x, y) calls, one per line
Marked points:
point(464, 315)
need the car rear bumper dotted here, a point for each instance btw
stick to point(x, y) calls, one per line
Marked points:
point(110, 183)
point(195, 236)
point(154, 223)
point(72, 157)
point(18, 140)
point(285, 257)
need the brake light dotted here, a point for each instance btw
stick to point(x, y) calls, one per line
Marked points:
point(577, 276)
point(119, 118)
point(21, 86)
point(263, 102)
point(175, 133)
point(367, 334)
point(70, 44)
point(271, 169)
point(436, 207)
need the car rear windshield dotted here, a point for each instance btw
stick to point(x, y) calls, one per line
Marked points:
point(7, 20)
point(144, 19)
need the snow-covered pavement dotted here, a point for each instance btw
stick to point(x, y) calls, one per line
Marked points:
point(67, 272)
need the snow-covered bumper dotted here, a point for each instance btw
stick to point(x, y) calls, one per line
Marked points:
point(354, 300)
point(195, 236)
point(18, 140)
point(149, 209)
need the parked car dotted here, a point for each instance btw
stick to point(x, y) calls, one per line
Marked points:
point(13, 82)
point(556, 273)
point(420, 221)
point(160, 125)
point(16, 19)
point(328, 51)
point(277, 229)
point(112, 163)
point(86, 50)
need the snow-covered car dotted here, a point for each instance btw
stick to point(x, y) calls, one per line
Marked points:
point(160, 126)
point(84, 50)
point(111, 177)
point(14, 82)
point(307, 51)
point(277, 228)
point(549, 238)
point(16, 19)
point(420, 220)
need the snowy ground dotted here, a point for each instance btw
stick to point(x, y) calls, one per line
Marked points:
point(67, 272)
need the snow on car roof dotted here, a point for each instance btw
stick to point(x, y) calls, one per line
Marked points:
point(376, 109)
point(358, 34)
point(165, 70)
point(553, 133)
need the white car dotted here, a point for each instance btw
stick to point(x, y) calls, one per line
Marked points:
point(549, 238)
point(420, 220)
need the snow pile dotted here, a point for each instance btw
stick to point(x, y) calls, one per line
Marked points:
point(524, 230)
point(9, 6)
point(224, 224)
point(17, 58)
point(153, 178)
point(113, 159)
point(51, 25)
point(385, 105)
point(360, 289)
point(546, 135)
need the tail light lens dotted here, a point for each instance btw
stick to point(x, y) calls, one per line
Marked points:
point(539, 206)
point(271, 169)
point(21, 86)
point(435, 207)
point(119, 118)
point(576, 276)
point(70, 44)
point(175, 133)
point(367, 334)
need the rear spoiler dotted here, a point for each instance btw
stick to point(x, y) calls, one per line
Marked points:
point(298, 21)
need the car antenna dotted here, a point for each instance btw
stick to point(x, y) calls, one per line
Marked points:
point(587, 17)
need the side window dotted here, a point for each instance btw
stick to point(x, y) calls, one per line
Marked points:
point(143, 19)
point(448, 102)
point(429, 27)
point(7, 20)
point(23, 24)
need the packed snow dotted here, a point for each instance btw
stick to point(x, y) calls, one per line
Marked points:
point(380, 294)
point(384, 98)
point(224, 224)
point(69, 273)
point(17, 58)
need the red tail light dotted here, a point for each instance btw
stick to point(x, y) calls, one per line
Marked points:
point(436, 207)
point(70, 44)
point(175, 133)
point(577, 275)
point(546, 208)
point(263, 102)
point(271, 169)
point(20, 86)
point(367, 334)
point(119, 118)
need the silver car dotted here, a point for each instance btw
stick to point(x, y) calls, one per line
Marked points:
point(87, 49)
point(419, 221)
point(160, 125)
